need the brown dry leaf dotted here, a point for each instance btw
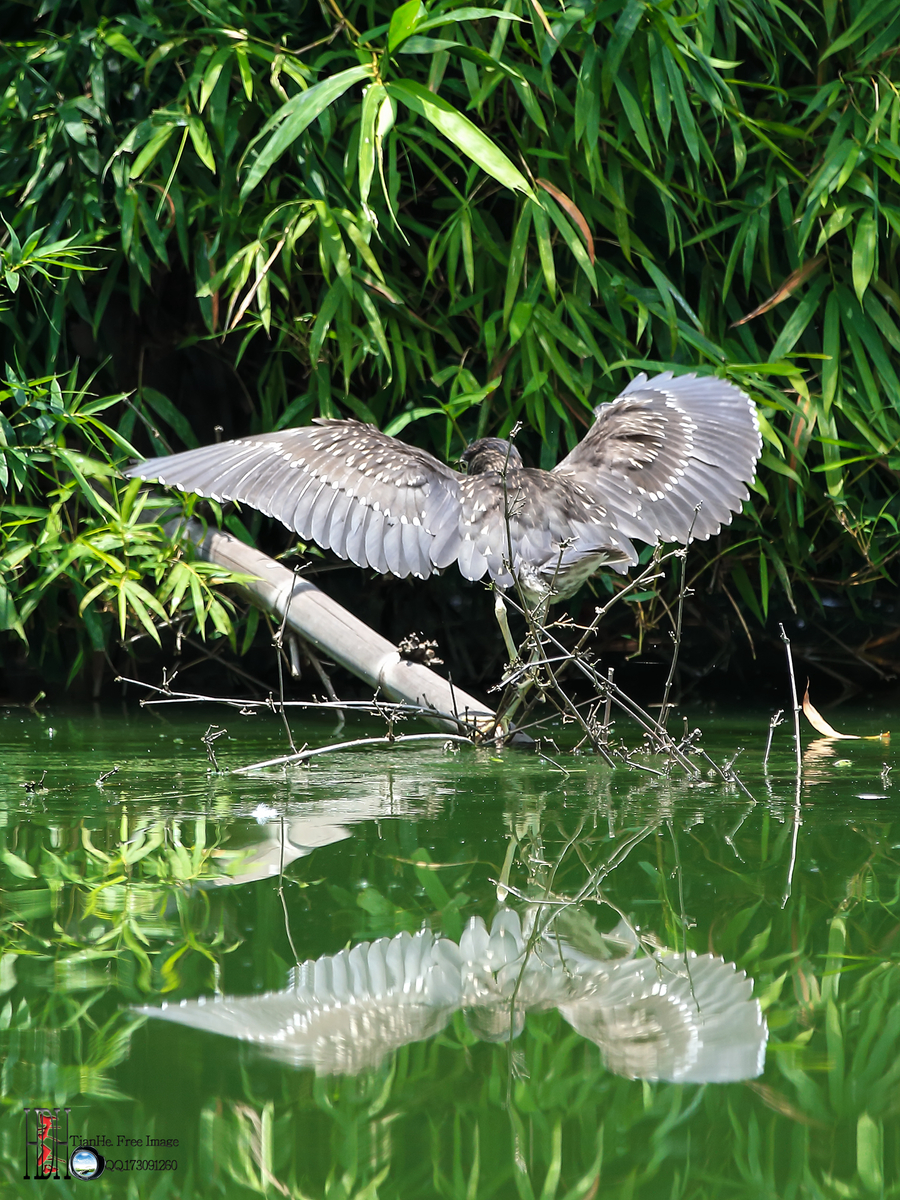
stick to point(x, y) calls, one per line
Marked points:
point(819, 723)
point(793, 281)
point(574, 212)
point(245, 304)
point(543, 17)
point(780, 1104)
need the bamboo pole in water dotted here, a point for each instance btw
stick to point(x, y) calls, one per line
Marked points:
point(336, 632)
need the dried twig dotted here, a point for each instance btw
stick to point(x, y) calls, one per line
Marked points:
point(773, 725)
point(682, 592)
point(209, 739)
point(164, 695)
point(796, 702)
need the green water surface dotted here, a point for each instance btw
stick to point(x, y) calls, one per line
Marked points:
point(168, 881)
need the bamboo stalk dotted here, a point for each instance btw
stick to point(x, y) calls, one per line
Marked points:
point(334, 631)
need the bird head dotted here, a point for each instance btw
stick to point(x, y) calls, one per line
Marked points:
point(491, 454)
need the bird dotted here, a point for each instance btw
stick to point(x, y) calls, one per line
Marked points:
point(668, 460)
point(686, 1019)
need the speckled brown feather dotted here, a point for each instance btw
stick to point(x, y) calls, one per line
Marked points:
point(668, 460)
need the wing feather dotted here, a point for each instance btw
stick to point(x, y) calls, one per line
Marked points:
point(391, 548)
point(472, 564)
point(356, 537)
point(373, 546)
point(338, 531)
point(664, 446)
point(320, 515)
point(305, 507)
point(317, 479)
point(415, 562)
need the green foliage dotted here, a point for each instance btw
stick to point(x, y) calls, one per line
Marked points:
point(468, 216)
point(76, 542)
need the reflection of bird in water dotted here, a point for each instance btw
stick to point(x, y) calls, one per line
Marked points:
point(653, 1018)
point(669, 460)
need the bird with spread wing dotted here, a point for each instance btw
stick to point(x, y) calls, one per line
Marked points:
point(669, 460)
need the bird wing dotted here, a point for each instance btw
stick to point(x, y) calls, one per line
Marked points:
point(665, 446)
point(532, 518)
point(339, 483)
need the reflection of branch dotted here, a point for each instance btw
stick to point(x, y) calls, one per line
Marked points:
point(281, 896)
point(303, 755)
point(794, 838)
point(209, 740)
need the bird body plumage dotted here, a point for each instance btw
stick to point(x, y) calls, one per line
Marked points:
point(668, 460)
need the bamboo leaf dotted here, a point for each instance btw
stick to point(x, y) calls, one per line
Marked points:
point(200, 140)
point(839, 219)
point(468, 248)
point(519, 321)
point(517, 255)
point(572, 210)
point(832, 464)
point(461, 132)
point(455, 15)
point(403, 22)
point(793, 281)
point(244, 71)
point(373, 96)
point(303, 111)
point(150, 151)
point(686, 122)
point(882, 319)
point(211, 75)
point(819, 723)
point(587, 98)
point(545, 248)
point(327, 310)
point(633, 113)
point(799, 320)
point(661, 99)
point(870, 1153)
point(116, 40)
point(164, 408)
point(622, 33)
point(831, 344)
point(868, 17)
point(573, 241)
point(865, 249)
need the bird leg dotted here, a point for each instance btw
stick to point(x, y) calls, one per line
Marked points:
point(503, 622)
point(527, 681)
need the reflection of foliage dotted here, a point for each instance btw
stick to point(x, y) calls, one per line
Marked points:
point(455, 1116)
point(135, 906)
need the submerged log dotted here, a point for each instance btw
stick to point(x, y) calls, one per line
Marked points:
point(330, 628)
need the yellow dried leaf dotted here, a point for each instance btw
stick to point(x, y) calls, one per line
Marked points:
point(819, 723)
